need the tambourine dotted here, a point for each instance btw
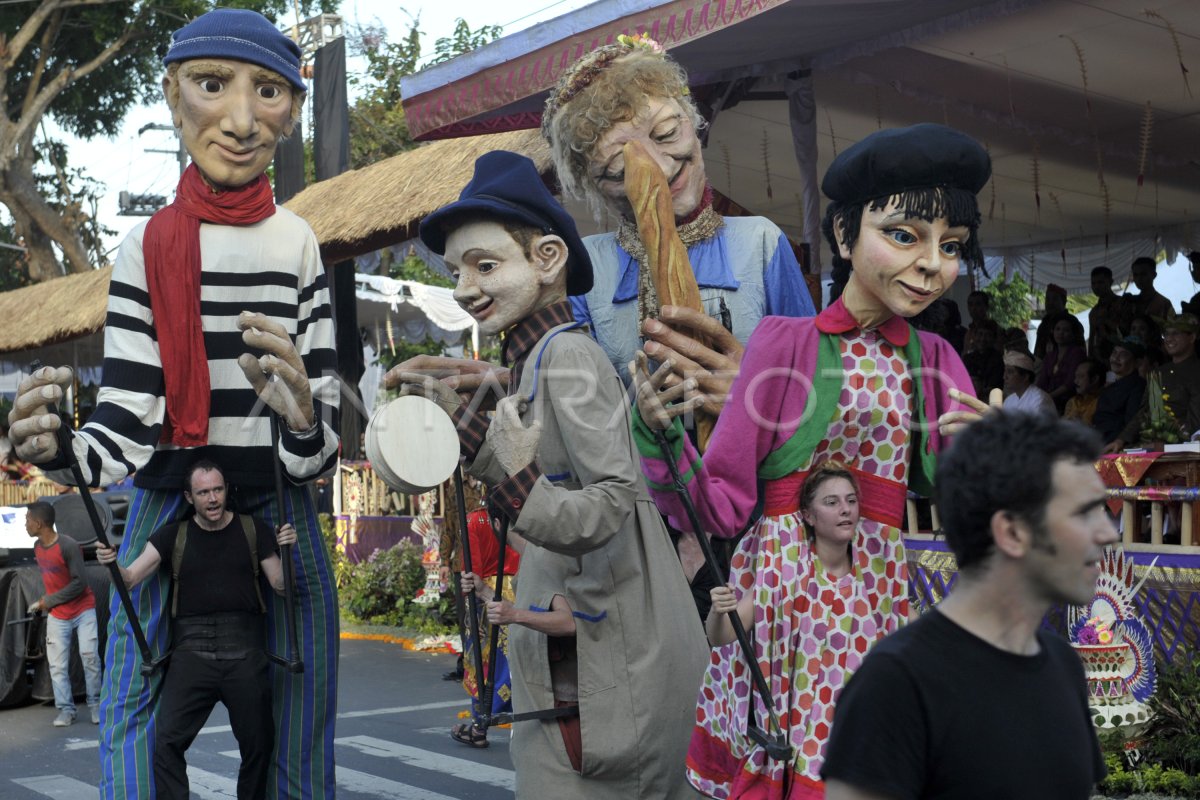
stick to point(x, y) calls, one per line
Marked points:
point(412, 444)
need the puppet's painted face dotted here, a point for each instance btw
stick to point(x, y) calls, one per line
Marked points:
point(665, 129)
point(232, 115)
point(497, 284)
point(901, 263)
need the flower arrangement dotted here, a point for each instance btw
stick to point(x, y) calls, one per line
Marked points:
point(641, 41)
point(1162, 425)
point(1094, 631)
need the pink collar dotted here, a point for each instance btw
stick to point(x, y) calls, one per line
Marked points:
point(836, 319)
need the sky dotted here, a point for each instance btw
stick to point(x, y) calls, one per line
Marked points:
point(121, 162)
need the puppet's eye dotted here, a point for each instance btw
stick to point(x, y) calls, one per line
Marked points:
point(952, 249)
point(900, 236)
point(211, 85)
point(269, 91)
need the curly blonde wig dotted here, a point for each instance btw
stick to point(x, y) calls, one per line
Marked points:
point(609, 85)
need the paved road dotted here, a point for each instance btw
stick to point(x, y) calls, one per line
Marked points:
point(392, 740)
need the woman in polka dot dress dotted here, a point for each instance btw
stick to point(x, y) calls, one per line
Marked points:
point(857, 384)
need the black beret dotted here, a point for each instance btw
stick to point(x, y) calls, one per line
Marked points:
point(897, 160)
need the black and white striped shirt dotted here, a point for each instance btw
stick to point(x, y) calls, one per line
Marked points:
point(272, 267)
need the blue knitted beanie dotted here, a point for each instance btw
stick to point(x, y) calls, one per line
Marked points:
point(240, 35)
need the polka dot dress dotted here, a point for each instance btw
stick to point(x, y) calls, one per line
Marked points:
point(812, 629)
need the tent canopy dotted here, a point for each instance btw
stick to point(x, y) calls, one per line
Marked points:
point(1077, 103)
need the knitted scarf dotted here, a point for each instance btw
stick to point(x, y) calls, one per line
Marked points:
point(171, 247)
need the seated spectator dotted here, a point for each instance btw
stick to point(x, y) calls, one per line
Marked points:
point(1063, 355)
point(1022, 394)
point(985, 363)
point(1149, 301)
point(982, 328)
point(1089, 381)
point(943, 318)
point(1104, 320)
point(1120, 400)
point(1146, 329)
point(1180, 381)
point(1056, 308)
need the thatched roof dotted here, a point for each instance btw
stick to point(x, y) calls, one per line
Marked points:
point(355, 213)
point(54, 311)
point(367, 209)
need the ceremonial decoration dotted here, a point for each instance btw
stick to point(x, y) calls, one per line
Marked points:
point(423, 525)
point(1116, 649)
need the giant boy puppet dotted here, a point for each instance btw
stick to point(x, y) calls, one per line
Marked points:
point(559, 460)
point(218, 314)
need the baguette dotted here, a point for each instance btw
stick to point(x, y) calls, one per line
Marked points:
point(670, 269)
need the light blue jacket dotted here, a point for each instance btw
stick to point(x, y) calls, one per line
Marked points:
point(748, 267)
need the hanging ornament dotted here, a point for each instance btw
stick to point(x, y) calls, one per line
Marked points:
point(1035, 168)
point(1183, 70)
point(1144, 146)
point(766, 154)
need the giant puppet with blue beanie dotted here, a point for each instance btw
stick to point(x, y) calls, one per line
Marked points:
point(218, 317)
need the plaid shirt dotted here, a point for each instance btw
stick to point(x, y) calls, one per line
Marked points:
point(508, 497)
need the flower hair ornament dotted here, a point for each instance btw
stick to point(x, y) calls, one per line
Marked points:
point(584, 71)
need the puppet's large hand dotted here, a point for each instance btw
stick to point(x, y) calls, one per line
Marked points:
point(290, 396)
point(514, 445)
point(955, 422)
point(673, 337)
point(31, 426)
point(477, 383)
point(657, 405)
point(424, 385)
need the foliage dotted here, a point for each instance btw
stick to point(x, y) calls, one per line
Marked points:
point(13, 274)
point(1010, 301)
point(463, 40)
point(378, 128)
point(1173, 735)
point(380, 590)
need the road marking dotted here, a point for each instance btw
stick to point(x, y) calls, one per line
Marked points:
point(209, 785)
point(425, 759)
point(57, 786)
point(375, 712)
point(351, 780)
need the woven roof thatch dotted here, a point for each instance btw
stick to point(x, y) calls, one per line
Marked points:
point(355, 213)
point(54, 311)
point(380, 205)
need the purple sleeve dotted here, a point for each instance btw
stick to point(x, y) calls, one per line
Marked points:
point(764, 408)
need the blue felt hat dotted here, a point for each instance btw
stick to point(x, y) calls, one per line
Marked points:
point(508, 185)
point(240, 35)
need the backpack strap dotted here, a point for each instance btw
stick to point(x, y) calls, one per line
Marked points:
point(252, 541)
point(176, 562)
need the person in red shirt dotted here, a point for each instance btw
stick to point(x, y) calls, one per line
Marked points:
point(71, 610)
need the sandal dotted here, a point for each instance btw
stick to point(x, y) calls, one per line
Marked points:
point(469, 734)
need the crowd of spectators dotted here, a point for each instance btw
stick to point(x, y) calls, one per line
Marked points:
point(1134, 341)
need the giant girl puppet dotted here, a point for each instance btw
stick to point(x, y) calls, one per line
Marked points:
point(857, 384)
point(218, 314)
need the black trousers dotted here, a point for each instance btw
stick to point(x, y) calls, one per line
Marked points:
point(192, 686)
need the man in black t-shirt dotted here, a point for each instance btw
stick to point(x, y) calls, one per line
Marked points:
point(976, 700)
point(218, 631)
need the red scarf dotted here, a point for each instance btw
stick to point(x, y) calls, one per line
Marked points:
point(171, 247)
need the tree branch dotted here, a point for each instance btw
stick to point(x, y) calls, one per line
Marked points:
point(34, 111)
point(22, 38)
point(35, 79)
